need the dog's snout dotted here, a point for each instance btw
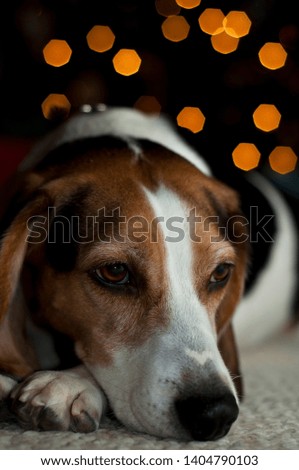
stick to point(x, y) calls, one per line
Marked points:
point(207, 418)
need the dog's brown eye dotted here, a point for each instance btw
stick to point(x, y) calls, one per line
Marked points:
point(116, 273)
point(221, 273)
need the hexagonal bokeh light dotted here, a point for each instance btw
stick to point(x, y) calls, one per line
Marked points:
point(56, 105)
point(191, 118)
point(100, 38)
point(224, 43)
point(225, 30)
point(167, 7)
point(272, 55)
point(57, 52)
point(175, 28)
point(211, 21)
point(283, 160)
point(246, 156)
point(148, 104)
point(188, 4)
point(266, 117)
point(126, 62)
point(237, 24)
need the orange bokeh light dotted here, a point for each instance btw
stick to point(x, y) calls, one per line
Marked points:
point(56, 105)
point(126, 62)
point(224, 43)
point(246, 156)
point(237, 24)
point(283, 160)
point(57, 52)
point(266, 117)
point(211, 21)
point(100, 38)
point(167, 7)
point(191, 118)
point(272, 55)
point(148, 104)
point(175, 28)
point(188, 4)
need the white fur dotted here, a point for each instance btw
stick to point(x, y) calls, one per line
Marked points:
point(6, 385)
point(179, 264)
point(200, 357)
point(265, 310)
point(191, 324)
point(125, 123)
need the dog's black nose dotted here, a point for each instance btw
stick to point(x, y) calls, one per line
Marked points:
point(207, 418)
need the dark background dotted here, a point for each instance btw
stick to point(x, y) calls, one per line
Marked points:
point(227, 88)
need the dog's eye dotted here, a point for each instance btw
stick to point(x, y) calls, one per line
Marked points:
point(113, 274)
point(221, 274)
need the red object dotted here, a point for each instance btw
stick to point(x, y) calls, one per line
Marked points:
point(12, 152)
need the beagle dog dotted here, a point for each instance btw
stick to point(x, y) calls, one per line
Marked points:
point(122, 263)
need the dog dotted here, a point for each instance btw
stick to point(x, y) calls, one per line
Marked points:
point(123, 265)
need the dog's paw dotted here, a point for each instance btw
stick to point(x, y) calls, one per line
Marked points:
point(66, 400)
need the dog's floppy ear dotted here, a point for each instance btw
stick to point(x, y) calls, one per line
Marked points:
point(229, 352)
point(16, 355)
point(226, 338)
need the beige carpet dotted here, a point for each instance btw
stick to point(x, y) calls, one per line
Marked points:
point(269, 417)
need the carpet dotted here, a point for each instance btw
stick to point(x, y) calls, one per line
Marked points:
point(269, 415)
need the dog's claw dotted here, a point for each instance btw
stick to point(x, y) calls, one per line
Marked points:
point(83, 423)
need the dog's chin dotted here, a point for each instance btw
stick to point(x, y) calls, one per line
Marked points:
point(163, 422)
point(163, 428)
point(154, 422)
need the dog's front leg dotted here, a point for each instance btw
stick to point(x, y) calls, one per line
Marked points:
point(59, 400)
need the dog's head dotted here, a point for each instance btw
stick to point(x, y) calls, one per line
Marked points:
point(140, 259)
